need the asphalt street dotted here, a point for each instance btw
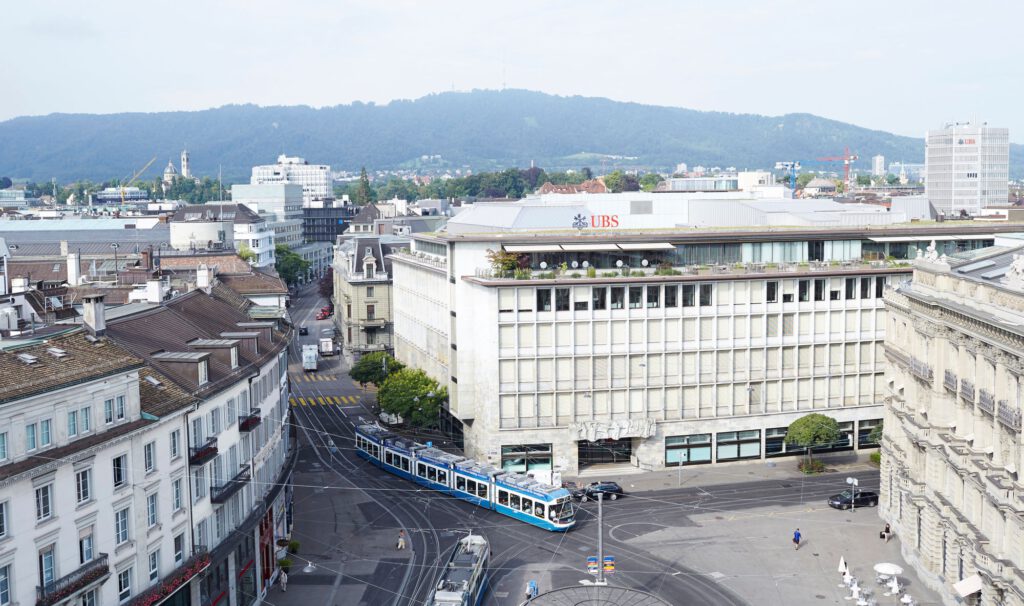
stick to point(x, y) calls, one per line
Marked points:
point(348, 515)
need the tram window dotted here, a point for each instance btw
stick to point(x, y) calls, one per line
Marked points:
point(470, 486)
point(442, 477)
point(538, 511)
point(514, 501)
point(431, 474)
point(405, 463)
point(421, 470)
point(481, 490)
point(503, 497)
point(527, 505)
point(387, 457)
point(460, 483)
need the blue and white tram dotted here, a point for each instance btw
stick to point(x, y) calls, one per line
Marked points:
point(512, 494)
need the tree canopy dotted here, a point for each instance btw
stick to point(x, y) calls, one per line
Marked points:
point(813, 430)
point(290, 266)
point(370, 368)
point(413, 395)
point(618, 181)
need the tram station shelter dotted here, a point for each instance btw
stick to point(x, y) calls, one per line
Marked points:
point(655, 330)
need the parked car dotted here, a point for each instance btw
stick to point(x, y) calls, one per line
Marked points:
point(303, 330)
point(327, 309)
point(323, 315)
point(611, 491)
point(845, 499)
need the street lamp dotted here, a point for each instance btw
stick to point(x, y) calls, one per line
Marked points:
point(114, 245)
point(853, 492)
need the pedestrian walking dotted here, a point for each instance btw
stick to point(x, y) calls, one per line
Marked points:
point(401, 539)
point(796, 538)
point(531, 590)
point(284, 580)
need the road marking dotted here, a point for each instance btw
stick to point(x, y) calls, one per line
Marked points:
point(292, 401)
point(321, 400)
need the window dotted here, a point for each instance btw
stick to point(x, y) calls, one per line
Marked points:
point(83, 485)
point(819, 290)
point(149, 456)
point(86, 547)
point(120, 466)
point(72, 423)
point(804, 291)
point(688, 450)
point(234, 357)
point(203, 375)
point(739, 445)
point(526, 457)
point(5, 585)
point(369, 292)
point(152, 510)
point(583, 305)
point(599, 298)
point(179, 548)
point(636, 297)
point(543, 299)
point(772, 293)
point(44, 502)
point(833, 295)
point(865, 288)
point(3, 446)
point(108, 411)
point(879, 286)
point(121, 526)
point(85, 419)
point(3, 519)
point(653, 296)
point(176, 497)
point(851, 288)
point(30, 437)
point(175, 444)
point(618, 297)
point(220, 519)
point(561, 299)
point(119, 410)
point(124, 584)
point(688, 295)
point(88, 599)
point(671, 295)
point(197, 432)
point(214, 421)
point(705, 295)
point(44, 433)
point(199, 484)
point(371, 312)
point(47, 572)
point(154, 565)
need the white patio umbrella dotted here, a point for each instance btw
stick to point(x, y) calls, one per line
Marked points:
point(842, 565)
point(888, 569)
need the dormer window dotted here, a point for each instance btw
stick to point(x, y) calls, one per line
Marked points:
point(204, 377)
point(234, 357)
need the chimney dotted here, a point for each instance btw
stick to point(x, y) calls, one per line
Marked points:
point(64, 248)
point(203, 277)
point(154, 291)
point(74, 269)
point(94, 315)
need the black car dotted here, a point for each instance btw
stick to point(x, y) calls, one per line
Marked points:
point(303, 330)
point(611, 491)
point(845, 499)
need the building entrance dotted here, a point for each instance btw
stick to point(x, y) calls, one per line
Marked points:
point(604, 451)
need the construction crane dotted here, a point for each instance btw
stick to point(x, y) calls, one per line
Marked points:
point(792, 167)
point(847, 159)
point(129, 180)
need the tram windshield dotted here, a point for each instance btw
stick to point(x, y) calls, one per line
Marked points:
point(563, 510)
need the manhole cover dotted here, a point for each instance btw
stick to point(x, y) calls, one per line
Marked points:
point(819, 596)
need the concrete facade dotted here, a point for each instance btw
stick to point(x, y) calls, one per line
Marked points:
point(953, 448)
point(967, 167)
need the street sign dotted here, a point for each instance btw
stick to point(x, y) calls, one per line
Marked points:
point(609, 564)
point(592, 564)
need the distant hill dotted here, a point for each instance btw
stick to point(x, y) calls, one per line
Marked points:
point(480, 129)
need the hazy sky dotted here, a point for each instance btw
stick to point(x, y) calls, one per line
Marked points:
point(901, 66)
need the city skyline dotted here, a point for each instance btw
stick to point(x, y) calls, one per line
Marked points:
point(890, 69)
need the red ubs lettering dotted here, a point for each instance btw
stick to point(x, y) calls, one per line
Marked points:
point(604, 220)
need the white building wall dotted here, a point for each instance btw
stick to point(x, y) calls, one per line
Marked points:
point(967, 167)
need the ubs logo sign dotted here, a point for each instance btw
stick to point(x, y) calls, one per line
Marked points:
point(583, 222)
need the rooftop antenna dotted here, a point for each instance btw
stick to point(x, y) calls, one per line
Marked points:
point(220, 181)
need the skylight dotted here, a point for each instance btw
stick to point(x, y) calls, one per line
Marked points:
point(56, 352)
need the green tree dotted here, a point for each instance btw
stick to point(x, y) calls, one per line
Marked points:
point(413, 395)
point(290, 266)
point(246, 253)
point(810, 431)
point(863, 180)
point(363, 193)
point(370, 368)
point(326, 285)
point(803, 179)
point(398, 188)
point(618, 181)
point(892, 179)
point(586, 173)
point(650, 181)
point(875, 437)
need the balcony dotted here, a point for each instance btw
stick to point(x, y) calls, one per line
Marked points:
point(86, 574)
point(200, 455)
point(921, 370)
point(1009, 416)
point(372, 323)
point(220, 493)
point(949, 381)
point(250, 421)
point(967, 390)
point(986, 401)
point(175, 581)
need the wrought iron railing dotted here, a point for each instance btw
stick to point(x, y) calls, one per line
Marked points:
point(967, 390)
point(250, 421)
point(200, 455)
point(949, 381)
point(57, 590)
point(921, 370)
point(986, 401)
point(1009, 415)
point(220, 493)
point(177, 579)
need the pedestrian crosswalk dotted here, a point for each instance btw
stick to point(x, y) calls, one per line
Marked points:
point(324, 400)
point(312, 377)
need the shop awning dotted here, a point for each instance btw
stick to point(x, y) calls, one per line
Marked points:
point(589, 247)
point(968, 586)
point(646, 246)
point(528, 248)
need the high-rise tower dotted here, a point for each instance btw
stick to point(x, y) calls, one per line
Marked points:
point(186, 172)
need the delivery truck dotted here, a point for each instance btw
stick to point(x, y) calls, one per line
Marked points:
point(309, 357)
point(326, 346)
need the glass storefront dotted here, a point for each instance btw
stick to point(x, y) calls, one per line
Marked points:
point(687, 450)
point(775, 443)
point(605, 451)
point(735, 445)
point(864, 429)
point(523, 458)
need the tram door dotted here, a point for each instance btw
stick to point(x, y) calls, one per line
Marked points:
point(605, 451)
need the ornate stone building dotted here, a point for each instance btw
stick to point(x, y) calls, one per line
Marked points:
point(952, 453)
